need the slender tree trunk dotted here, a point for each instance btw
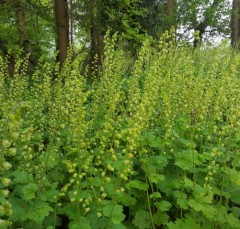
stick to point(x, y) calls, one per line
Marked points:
point(171, 14)
point(202, 26)
point(100, 44)
point(93, 33)
point(71, 17)
point(20, 16)
point(97, 44)
point(4, 50)
point(62, 29)
point(235, 22)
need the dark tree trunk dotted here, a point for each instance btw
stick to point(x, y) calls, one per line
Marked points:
point(71, 18)
point(202, 26)
point(62, 29)
point(4, 51)
point(171, 14)
point(97, 38)
point(24, 39)
point(235, 22)
point(10, 58)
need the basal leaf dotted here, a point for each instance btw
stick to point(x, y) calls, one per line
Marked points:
point(155, 178)
point(22, 177)
point(160, 160)
point(126, 199)
point(163, 205)
point(38, 212)
point(71, 211)
point(181, 199)
point(50, 193)
point(137, 184)
point(142, 219)
point(187, 223)
point(196, 205)
point(155, 195)
point(29, 191)
point(160, 218)
point(114, 212)
point(82, 223)
point(116, 226)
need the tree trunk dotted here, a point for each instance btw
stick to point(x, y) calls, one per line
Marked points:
point(71, 18)
point(22, 30)
point(235, 22)
point(97, 44)
point(171, 14)
point(202, 26)
point(62, 29)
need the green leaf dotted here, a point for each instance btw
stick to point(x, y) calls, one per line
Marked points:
point(137, 184)
point(196, 205)
point(190, 223)
point(29, 191)
point(142, 219)
point(71, 211)
point(236, 211)
point(38, 212)
point(234, 194)
point(160, 218)
point(116, 226)
point(183, 160)
point(126, 199)
point(234, 176)
point(155, 195)
point(22, 177)
point(114, 212)
point(18, 208)
point(50, 193)
point(163, 206)
point(181, 199)
point(82, 223)
point(188, 184)
point(155, 178)
point(187, 223)
point(160, 160)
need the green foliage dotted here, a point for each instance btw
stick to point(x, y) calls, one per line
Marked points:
point(152, 143)
point(38, 25)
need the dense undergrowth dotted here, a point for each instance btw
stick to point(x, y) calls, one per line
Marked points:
point(151, 143)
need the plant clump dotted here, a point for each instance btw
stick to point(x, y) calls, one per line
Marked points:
point(149, 143)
